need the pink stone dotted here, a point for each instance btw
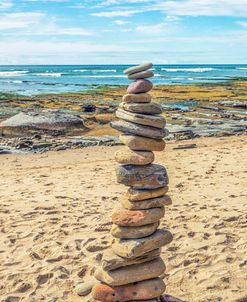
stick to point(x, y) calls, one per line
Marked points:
point(140, 86)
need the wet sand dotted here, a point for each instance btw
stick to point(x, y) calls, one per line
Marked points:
point(55, 211)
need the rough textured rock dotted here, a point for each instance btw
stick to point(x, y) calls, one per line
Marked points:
point(141, 130)
point(142, 290)
point(126, 156)
point(111, 261)
point(132, 248)
point(133, 232)
point(137, 98)
point(140, 86)
point(152, 176)
point(123, 217)
point(85, 288)
point(141, 75)
point(132, 273)
point(141, 119)
point(138, 68)
point(137, 195)
point(148, 108)
point(140, 143)
point(146, 204)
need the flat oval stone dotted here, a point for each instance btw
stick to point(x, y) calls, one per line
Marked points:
point(111, 261)
point(141, 75)
point(132, 248)
point(137, 98)
point(140, 130)
point(143, 290)
point(145, 108)
point(141, 119)
point(159, 202)
point(152, 176)
point(132, 273)
point(85, 288)
point(138, 68)
point(133, 232)
point(140, 143)
point(137, 195)
point(140, 86)
point(126, 156)
point(123, 217)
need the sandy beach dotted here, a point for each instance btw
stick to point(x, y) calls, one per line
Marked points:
point(55, 218)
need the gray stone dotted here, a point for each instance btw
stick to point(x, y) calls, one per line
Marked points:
point(111, 261)
point(140, 143)
point(141, 119)
point(152, 176)
point(146, 204)
point(133, 232)
point(140, 130)
point(141, 75)
point(132, 248)
point(85, 288)
point(138, 68)
point(145, 108)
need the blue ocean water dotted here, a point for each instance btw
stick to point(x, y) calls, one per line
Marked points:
point(38, 79)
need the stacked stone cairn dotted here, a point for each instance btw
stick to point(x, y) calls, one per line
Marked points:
point(132, 266)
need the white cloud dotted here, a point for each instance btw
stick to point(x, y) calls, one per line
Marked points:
point(4, 4)
point(112, 14)
point(19, 20)
point(151, 29)
point(120, 22)
point(244, 24)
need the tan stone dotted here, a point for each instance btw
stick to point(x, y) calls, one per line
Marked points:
point(145, 108)
point(142, 119)
point(127, 218)
point(137, 98)
point(132, 273)
point(136, 195)
point(127, 156)
point(141, 75)
point(146, 204)
point(140, 143)
point(111, 261)
point(85, 288)
point(143, 290)
point(133, 232)
point(132, 248)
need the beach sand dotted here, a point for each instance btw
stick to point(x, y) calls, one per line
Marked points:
point(55, 211)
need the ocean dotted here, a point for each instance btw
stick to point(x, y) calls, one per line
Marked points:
point(39, 79)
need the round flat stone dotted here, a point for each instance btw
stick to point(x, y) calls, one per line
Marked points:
point(152, 176)
point(138, 68)
point(140, 86)
point(137, 195)
point(133, 232)
point(140, 143)
point(126, 156)
point(159, 202)
point(145, 108)
point(141, 75)
point(85, 288)
point(132, 248)
point(132, 273)
point(137, 98)
point(141, 119)
point(123, 217)
point(143, 290)
point(140, 130)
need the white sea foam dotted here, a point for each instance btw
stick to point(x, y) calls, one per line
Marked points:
point(242, 68)
point(104, 70)
point(104, 76)
point(187, 69)
point(14, 73)
point(49, 74)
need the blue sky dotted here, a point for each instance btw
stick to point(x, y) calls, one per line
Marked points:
point(117, 31)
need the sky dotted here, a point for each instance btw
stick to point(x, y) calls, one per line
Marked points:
point(123, 31)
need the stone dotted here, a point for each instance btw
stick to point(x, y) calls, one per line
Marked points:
point(141, 119)
point(132, 248)
point(140, 86)
point(139, 143)
point(123, 217)
point(85, 288)
point(132, 273)
point(140, 130)
point(151, 176)
point(137, 195)
point(143, 290)
point(138, 68)
point(133, 232)
point(148, 108)
point(146, 204)
point(141, 75)
point(111, 261)
point(137, 98)
point(126, 156)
